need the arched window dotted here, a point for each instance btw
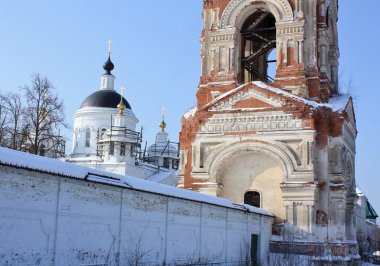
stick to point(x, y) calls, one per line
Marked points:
point(88, 137)
point(258, 40)
point(112, 148)
point(103, 133)
point(76, 138)
point(122, 149)
point(252, 198)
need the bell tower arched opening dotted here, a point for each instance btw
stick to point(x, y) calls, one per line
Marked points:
point(258, 41)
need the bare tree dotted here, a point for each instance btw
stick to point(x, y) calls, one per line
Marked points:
point(13, 108)
point(32, 122)
point(43, 116)
point(3, 121)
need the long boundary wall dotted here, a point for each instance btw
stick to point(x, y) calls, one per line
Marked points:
point(49, 219)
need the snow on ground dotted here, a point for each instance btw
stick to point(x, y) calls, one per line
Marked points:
point(52, 166)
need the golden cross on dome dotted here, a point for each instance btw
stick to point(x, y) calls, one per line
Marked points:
point(122, 90)
point(109, 46)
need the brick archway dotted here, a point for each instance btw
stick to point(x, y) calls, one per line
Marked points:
point(252, 167)
point(276, 151)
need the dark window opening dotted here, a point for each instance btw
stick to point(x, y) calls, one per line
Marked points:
point(166, 163)
point(122, 149)
point(101, 150)
point(257, 44)
point(112, 148)
point(175, 164)
point(328, 17)
point(133, 150)
point(88, 137)
point(103, 133)
point(252, 198)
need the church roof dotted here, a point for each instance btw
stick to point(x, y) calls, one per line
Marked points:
point(104, 98)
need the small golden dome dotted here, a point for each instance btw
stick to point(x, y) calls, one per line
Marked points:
point(163, 124)
point(121, 106)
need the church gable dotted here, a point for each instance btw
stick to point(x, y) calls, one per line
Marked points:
point(254, 96)
point(251, 103)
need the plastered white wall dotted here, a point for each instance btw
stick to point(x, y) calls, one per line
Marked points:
point(52, 220)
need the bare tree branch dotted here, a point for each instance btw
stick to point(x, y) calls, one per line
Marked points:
point(44, 114)
point(13, 106)
point(32, 123)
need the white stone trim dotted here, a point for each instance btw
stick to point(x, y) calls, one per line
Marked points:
point(284, 157)
point(281, 10)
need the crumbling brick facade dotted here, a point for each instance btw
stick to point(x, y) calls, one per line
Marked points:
point(290, 139)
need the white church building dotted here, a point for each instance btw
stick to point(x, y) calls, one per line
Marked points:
point(105, 137)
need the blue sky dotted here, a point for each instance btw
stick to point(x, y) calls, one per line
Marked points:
point(156, 53)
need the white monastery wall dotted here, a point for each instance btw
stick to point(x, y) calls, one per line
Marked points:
point(49, 219)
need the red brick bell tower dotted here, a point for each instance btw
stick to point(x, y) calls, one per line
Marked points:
point(270, 128)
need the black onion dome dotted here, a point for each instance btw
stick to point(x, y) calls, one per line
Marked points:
point(104, 98)
point(108, 65)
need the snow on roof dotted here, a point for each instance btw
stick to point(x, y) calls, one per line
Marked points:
point(144, 185)
point(162, 175)
point(52, 166)
point(359, 191)
point(336, 103)
point(38, 163)
point(191, 112)
point(339, 103)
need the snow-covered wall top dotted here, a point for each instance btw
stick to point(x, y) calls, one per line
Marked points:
point(46, 165)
